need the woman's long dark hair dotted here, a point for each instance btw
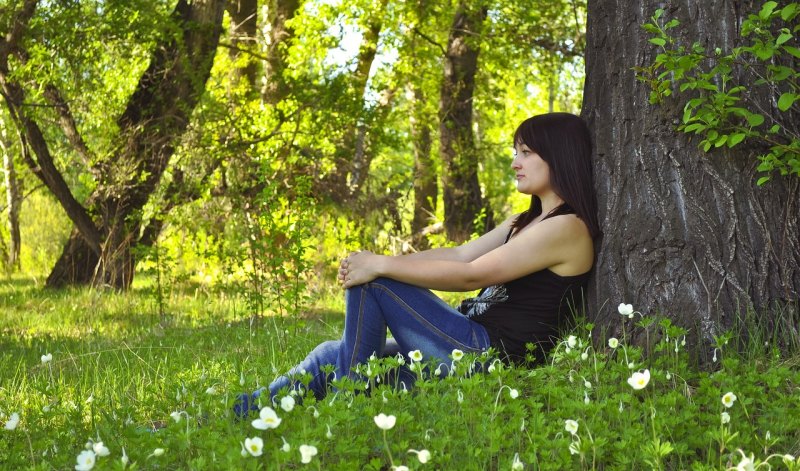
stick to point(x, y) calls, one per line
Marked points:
point(563, 141)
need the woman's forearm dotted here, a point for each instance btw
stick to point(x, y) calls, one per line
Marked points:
point(440, 253)
point(432, 273)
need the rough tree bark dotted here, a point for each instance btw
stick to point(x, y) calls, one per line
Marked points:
point(107, 224)
point(279, 12)
point(687, 234)
point(460, 187)
point(243, 32)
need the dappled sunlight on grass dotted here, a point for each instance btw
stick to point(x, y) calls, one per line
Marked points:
point(96, 375)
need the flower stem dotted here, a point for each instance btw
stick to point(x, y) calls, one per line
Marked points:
point(388, 452)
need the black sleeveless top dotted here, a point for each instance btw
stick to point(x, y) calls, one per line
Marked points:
point(532, 309)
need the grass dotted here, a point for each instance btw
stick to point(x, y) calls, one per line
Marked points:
point(122, 363)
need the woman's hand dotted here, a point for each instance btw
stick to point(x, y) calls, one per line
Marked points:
point(358, 268)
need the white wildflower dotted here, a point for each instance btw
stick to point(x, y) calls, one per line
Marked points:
point(385, 422)
point(267, 419)
point(86, 460)
point(306, 453)
point(287, 403)
point(728, 399)
point(12, 421)
point(571, 426)
point(639, 379)
point(254, 446)
point(626, 310)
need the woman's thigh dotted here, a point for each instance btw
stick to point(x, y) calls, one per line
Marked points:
point(418, 319)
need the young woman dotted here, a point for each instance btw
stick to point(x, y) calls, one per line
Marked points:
point(533, 268)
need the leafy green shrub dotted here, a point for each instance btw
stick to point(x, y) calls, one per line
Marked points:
point(747, 94)
point(44, 229)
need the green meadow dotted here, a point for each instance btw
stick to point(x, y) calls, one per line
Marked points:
point(105, 380)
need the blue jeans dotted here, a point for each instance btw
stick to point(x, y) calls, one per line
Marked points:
point(417, 318)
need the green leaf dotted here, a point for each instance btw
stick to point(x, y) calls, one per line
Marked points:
point(765, 165)
point(736, 90)
point(687, 114)
point(786, 101)
point(658, 41)
point(697, 127)
point(789, 11)
point(651, 28)
point(762, 180)
point(755, 119)
point(767, 10)
point(775, 128)
point(672, 23)
point(706, 145)
point(736, 138)
point(763, 51)
point(738, 111)
point(792, 50)
point(783, 38)
point(721, 141)
point(781, 73)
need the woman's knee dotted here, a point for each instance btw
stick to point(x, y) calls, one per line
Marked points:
point(325, 352)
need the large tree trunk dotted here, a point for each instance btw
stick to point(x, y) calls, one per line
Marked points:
point(687, 234)
point(279, 13)
point(157, 112)
point(461, 190)
point(243, 31)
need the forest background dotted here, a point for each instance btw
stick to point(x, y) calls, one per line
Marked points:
point(321, 128)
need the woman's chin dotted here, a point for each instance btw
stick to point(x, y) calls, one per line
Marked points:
point(522, 189)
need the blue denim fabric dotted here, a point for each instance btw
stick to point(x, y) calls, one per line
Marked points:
point(416, 317)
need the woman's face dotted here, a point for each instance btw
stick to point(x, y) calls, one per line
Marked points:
point(532, 172)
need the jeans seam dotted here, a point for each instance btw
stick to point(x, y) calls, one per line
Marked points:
point(434, 330)
point(357, 342)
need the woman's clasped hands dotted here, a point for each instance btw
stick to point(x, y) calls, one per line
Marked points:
point(357, 268)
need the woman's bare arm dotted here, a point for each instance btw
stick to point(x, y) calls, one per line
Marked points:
point(469, 251)
point(561, 243)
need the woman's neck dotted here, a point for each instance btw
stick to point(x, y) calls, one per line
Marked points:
point(550, 201)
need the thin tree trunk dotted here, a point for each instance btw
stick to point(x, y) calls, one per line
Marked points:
point(425, 187)
point(353, 157)
point(461, 190)
point(687, 234)
point(13, 199)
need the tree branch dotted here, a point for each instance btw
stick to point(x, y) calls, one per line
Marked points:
point(245, 51)
point(24, 197)
point(32, 135)
point(67, 122)
point(18, 26)
point(430, 40)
